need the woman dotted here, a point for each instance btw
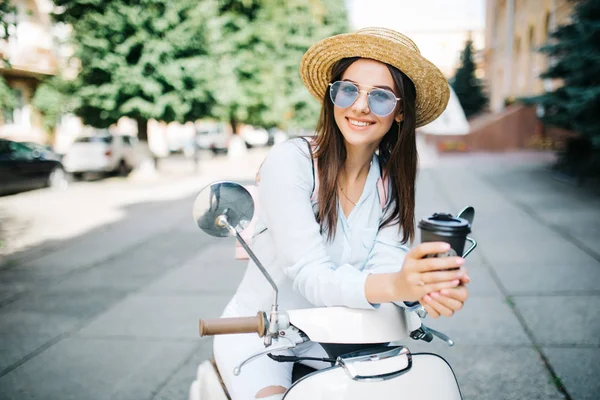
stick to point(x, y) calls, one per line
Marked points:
point(343, 249)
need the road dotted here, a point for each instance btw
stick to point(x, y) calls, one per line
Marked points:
point(101, 286)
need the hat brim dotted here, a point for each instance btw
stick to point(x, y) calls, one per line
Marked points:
point(431, 86)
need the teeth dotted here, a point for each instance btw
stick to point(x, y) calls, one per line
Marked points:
point(359, 123)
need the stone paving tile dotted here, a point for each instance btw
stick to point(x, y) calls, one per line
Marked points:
point(562, 320)
point(578, 370)
point(97, 369)
point(495, 372)
point(482, 321)
point(178, 386)
point(157, 316)
point(14, 347)
point(482, 282)
point(139, 266)
point(548, 278)
point(522, 250)
point(211, 271)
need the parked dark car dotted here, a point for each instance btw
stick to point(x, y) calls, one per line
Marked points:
point(25, 166)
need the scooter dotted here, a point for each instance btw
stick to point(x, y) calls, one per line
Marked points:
point(367, 360)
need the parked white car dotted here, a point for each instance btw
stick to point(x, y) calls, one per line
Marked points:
point(102, 154)
point(254, 136)
point(212, 136)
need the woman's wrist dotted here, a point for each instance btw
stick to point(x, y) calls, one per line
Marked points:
point(381, 288)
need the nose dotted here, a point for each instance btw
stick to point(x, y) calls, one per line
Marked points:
point(361, 105)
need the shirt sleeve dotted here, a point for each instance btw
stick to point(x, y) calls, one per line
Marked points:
point(388, 253)
point(286, 184)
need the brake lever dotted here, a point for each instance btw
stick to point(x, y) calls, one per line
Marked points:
point(286, 346)
point(438, 334)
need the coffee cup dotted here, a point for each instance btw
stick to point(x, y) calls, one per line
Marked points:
point(441, 227)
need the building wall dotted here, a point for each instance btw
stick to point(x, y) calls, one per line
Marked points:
point(515, 29)
point(443, 47)
point(29, 50)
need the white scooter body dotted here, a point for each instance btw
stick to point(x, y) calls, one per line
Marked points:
point(379, 370)
point(379, 374)
point(429, 377)
point(382, 374)
point(387, 323)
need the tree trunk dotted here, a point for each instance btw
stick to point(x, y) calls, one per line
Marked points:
point(237, 145)
point(142, 125)
point(234, 124)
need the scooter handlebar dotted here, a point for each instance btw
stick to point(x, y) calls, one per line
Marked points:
point(224, 326)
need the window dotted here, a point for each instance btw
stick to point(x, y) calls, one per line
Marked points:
point(94, 139)
point(531, 39)
point(128, 140)
point(20, 151)
point(517, 46)
point(4, 147)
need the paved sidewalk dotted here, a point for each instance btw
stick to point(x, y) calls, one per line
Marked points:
point(112, 313)
point(530, 329)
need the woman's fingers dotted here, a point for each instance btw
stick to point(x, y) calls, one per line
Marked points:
point(440, 308)
point(428, 248)
point(430, 311)
point(439, 286)
point(439, 263)
point(447, 302)
point(441, 276)
point(460, 293)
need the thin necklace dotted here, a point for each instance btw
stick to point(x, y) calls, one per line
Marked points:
point(346, 196)
point(344, 193)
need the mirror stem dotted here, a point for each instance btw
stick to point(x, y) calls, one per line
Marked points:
point(259, 265)
point(222, 221)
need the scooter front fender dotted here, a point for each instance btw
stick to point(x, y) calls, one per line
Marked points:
point(428, 378)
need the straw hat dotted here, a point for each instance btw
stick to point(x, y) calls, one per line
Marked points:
point(383, 45)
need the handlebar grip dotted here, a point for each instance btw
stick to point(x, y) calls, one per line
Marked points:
point(224, 326)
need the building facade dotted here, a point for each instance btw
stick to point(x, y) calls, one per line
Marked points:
point(515, 29)
point(27, 55)
point(443, 47)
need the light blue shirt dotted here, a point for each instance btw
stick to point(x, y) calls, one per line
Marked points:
point(309, 270)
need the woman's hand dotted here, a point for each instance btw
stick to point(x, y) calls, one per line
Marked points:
point(445, 302)
point(420, 276)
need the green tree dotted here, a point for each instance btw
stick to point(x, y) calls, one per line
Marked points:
point(7, 13)
point(574, 58)
point(468, 88)
point(52, 99)
point(142, 59)
point(574, 55)
point(259, 51)
point(301, 23)
point(6, 95)
point(7, 10)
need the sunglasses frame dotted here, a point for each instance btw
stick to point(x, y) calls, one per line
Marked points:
point(368, 96)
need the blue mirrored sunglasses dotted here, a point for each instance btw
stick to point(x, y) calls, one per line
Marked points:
point(381, 102)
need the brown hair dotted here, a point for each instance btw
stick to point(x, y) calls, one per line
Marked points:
point(397, 155)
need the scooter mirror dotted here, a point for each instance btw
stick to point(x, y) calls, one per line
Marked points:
point(467, 213)
point(227, 199)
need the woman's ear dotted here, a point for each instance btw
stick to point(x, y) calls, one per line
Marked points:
point(399, 117)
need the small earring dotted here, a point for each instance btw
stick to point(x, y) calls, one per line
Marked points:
point(400, 118)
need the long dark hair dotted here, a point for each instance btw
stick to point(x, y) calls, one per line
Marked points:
point(397, 154)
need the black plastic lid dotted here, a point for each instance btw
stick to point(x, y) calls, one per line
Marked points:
point(440, 222)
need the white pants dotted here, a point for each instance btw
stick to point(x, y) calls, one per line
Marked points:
point(230, 350)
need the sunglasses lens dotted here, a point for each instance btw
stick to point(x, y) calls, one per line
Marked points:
point(343, 94)
point(381, 102)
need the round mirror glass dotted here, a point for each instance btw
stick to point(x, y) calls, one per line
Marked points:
point(223, 198)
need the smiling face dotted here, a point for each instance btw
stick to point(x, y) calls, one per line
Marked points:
point(359, 126)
